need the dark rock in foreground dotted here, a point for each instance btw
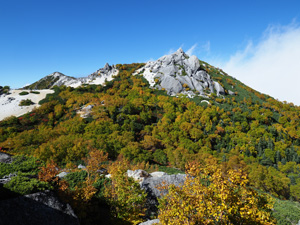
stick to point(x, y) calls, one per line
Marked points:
point(36, 209)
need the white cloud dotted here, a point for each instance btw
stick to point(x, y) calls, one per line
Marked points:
point(206, 47)
point(171, 51)
point(271, 66)
point(195, 50)
point(191, 50)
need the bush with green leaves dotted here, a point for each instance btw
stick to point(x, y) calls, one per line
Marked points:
point(24, 93)
point(35, 92)
point(4, 89)
point(26, 169)
point(23, 185)
point(26, 102)
point(21, 163)
point(76, 178)
point(160, 157)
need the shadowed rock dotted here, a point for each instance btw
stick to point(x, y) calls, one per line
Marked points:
point(36, 209)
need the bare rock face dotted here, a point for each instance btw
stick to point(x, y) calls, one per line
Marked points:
point(179, 72)
point(35, 209)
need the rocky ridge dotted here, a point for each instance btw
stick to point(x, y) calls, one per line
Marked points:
point(59, 79)
point(177, 73)
point(180, 73)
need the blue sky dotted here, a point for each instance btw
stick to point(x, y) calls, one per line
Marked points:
point(79, 37)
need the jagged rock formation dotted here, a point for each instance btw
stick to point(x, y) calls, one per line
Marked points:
point(180, 73)
point(35, 209)
point(59, 79)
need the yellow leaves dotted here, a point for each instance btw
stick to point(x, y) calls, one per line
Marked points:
point(123, 194)
point(211, 195)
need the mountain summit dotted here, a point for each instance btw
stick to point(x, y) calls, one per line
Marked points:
point(180, 73)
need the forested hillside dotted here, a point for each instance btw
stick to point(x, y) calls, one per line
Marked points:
point(128, 122)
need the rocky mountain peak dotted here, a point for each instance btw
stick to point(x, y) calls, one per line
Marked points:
point(107, 67)
point(180, 73)
point(57, 74)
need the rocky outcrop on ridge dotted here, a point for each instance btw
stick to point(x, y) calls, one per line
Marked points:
point(59, 79)
point(180, 73)
point(35, 209)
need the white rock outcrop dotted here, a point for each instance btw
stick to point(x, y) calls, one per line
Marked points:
point(179, 72)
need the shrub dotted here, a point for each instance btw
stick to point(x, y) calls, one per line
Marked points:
point(23, 185)
point(208, 196)
point(26, 102)
point(160, 156)
point(35, 92)
point(20, 163)
point(24, 93)
point(76, 178)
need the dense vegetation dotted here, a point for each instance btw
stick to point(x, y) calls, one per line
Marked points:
point(248, 132)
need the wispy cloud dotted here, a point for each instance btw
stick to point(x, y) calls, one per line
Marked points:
point(172, 50)
point(196, 49)
point(272, 65)
point(206, 47)
point(191, 50)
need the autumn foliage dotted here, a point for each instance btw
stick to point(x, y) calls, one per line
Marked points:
point(124, 195)
point(212, 196)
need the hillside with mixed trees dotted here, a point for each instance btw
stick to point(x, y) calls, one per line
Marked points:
point(241, 147)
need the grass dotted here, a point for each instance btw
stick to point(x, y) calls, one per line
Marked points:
point(169, 170)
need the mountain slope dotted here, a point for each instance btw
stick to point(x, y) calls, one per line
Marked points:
point(126, 119)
